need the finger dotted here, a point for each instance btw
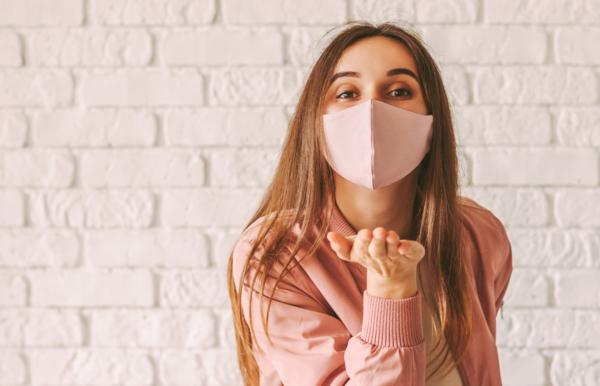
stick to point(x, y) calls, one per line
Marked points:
point(405, 248)
point(376, 251)
point(377, 248)
point(393, 242)
point(360, 248)
point(340, 245)
point(412, 249)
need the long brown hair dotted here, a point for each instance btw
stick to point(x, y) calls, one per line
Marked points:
point(303, 185)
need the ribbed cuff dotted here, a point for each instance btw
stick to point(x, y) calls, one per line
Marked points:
point(392, 322)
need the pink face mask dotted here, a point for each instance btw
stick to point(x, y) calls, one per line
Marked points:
point(374, 144)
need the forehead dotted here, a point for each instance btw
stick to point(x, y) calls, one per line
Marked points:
point(375, 55)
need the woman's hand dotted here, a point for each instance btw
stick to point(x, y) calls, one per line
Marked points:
point(391, 263)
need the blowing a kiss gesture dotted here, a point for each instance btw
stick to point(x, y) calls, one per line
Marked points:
point(391, 263)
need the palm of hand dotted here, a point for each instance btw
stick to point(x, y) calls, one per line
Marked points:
point(380, 251)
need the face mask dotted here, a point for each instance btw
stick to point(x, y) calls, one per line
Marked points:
point(374, 144)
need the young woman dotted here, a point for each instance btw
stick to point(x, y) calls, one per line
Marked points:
point(367, 266)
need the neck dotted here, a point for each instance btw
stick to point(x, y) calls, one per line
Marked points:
point(389, 207)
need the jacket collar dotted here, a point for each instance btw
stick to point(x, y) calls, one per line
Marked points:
point(339, 223)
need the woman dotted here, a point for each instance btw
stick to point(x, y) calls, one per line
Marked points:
point(411, 298)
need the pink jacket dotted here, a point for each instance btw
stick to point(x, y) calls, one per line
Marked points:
point(327, 330)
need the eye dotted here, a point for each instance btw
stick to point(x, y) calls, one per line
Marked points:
point(402, 88)
point(345, 92)
point(407, 92)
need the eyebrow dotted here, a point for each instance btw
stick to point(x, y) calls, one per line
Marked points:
point(394, 71)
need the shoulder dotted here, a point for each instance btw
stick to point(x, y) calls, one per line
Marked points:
point(477, 212)
point(243, 245)
point(486, 231)
point(247, 239)
point(487, 224)
point(251, 231)
point(285, 272)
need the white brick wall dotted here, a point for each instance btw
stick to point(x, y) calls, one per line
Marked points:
point(136, 137)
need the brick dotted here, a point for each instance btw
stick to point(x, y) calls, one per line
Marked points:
point(39, 168)
point(577, 207)
point(39, 88)
point(242, 167)
point(577, 367)
point(14, 367)
point(94, 128)
point(10, 46)
point(555, 247)
point(223, 246)
point(92, 47)
point(578, 126)
point(160, 12)
point(29, 248)
point(527, 288)
point(377, 11)
point(13, 128)
point(480, 44)
point(142, 87)
point(447, 11)
point(529, 11)
point(526, 85)
point(225, 325)
point(236, 126)
point(542, 167)
point(90, 366)
point(42, 13)
point(255, 86)
point(456, 84)
point(142, 168)
point(304, 44)
point(502, 125)
point(577, 288)
point(12, 208)
point(13, 289)
point(221, 367)
point(577, 45)
point(548, 328)
point(193, 288)
point(130, 328)
point(146, 248)
point(207, 207)
point(92, 208)
point(514, 207)
point(522, 367)
point(85, 288)
point(216, 46)
point(179, 367)
point(48, 328)
point(283, 12)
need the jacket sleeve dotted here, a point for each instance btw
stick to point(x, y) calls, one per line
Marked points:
point(503, 270)
point(313, 347)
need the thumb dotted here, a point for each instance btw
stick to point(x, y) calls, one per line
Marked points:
point(340, 244)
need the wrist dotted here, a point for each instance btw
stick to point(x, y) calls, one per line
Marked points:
point(391, 288)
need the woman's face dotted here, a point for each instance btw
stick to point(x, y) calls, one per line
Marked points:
point(369, 61)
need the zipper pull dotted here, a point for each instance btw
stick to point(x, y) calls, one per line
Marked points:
point(502, 310)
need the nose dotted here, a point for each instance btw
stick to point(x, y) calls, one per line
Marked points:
point(371, 92)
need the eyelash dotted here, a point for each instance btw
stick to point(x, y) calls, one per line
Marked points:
point(400, 88)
